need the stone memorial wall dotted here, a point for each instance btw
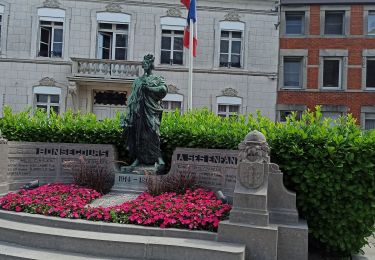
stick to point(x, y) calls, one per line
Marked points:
point(212, 169)
point(53, 162)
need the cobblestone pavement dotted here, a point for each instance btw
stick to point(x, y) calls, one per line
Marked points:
point(112, 199)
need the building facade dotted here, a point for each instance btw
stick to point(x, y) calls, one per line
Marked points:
point(84, 55)
point(327, 58)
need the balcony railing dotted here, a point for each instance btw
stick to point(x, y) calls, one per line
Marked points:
point(107, 69)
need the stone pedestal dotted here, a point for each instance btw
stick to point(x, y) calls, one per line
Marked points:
point(264, 215)
point(4, 162)
point(133, 179)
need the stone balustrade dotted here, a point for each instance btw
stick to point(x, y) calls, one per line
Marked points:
point(108, 69)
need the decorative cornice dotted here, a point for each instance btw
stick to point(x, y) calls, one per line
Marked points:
point(47, 82)
point(113, 7)
point(232, 16)
point(174, 12)
point(51, 4)
point(172, 89)
point(230, 92)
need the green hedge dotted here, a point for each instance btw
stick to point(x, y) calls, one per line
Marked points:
point(331, 165)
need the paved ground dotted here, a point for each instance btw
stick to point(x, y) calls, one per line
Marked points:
point(369, 252)
point(112, 199)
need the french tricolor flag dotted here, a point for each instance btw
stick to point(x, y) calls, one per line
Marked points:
point(191, 5)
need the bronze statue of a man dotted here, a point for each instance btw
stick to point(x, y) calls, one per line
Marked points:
point(143, 117)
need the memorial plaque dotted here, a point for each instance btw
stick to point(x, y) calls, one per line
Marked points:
point(130, 182)
point(213, 169)
point(55, 162)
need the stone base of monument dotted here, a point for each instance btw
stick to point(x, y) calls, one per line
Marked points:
point(281, 242)
point(132, 179)
point(129, 183)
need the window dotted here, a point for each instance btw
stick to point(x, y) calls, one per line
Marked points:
point(1, 25)
point(370, 73)
point(172, 48)
point(334, 23)
point(170, 106)
point(295, 23)
point(110, 97)
point(230, 49)
point(228, 110)
point(369, 121)
point(50, 39)
point(48, 103)
point(171, 102)
point(371, 23)
point(287, 113)
point(332, 115)
point(113, 41)
point(332, 73)
point(293, 72)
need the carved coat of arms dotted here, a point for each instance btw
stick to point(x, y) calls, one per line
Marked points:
point(251, 175)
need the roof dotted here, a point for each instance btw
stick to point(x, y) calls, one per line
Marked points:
point(326, 2)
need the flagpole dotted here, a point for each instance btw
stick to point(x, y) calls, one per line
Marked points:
point(191, 59)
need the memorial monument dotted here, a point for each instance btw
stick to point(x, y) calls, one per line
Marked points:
point(264, 215)
point(141, 126)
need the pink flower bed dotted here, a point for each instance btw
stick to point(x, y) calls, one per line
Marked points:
point(197, 209)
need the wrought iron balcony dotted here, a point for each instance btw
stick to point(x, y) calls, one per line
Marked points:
point(106, 69)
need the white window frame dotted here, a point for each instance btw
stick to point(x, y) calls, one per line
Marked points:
point(114, 33)
point(230, 40)
point(173, 98)
point(340, 81)
point(233, 27)
point(172, 36)
point(50, 15)
point(228, 101)
point(48, 91)
point(51, 44)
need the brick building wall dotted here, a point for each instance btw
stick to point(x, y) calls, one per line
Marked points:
point(353, 96)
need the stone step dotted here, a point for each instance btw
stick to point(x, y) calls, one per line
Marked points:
point(10, 251)
point(78, 224)
point(112, 245)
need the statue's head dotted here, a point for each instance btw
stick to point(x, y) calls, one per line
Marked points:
point(148, 63)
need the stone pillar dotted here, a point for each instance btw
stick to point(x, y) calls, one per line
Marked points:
point(73, 93)
point(4, 161)
point(264, 215)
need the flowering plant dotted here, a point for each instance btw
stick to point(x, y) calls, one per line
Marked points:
point(66, 201)
point(198, 209)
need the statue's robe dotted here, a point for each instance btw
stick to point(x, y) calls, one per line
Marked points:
point(143, 117)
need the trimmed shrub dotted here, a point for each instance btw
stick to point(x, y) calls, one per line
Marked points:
point(330, 164)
